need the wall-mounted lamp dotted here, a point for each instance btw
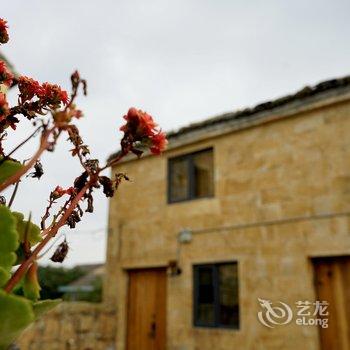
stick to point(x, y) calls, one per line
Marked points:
point(184, 236)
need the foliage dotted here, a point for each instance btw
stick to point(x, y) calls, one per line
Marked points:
point(94, 296)
point(9, 243)
point(51, 278)
point(53, 113)
point(16, 314)
point(8, 168)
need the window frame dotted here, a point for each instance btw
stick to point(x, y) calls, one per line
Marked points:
point(189, 158)
point(216, 324)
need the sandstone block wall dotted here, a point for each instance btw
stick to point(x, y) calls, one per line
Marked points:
point(294, 167)
point(72, 326)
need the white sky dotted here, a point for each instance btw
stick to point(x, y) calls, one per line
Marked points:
point(181, 61)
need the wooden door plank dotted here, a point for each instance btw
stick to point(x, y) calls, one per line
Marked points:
point(340, 306)
point(160, 297)
point(332, 278)
point(324, 282)
point(345, 268)
point(146, 309)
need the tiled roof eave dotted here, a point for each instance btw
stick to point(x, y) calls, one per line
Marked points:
point(323, 94)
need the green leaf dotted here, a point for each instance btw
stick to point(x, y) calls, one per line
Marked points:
point(16, 313)
point(33, 233)
point(9, 243)
point(8, 231)
point(8, 259)
point(8, 168)
point(4, 276)
point(31, 286)
point(20, 254)
point(43, 306)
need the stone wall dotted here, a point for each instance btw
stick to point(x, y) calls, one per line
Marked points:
point(294, 167)
point(72, 326)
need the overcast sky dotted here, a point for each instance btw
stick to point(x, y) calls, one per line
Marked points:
point(181, 61)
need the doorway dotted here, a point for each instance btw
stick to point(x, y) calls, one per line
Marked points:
point(332, 283)
point(146, 311)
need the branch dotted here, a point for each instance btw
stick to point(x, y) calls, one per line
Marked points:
point(13, 196)
point(20, 145)
point(52, 230)
point(17, 176)
point(115, 160)
point(49, 232)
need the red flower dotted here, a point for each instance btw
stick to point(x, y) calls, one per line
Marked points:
point(6, 76)
point(4, 37)
point(139, 123)
point(140, 127)
point(59, 192)
point(28, 88)
point(159, 143)
point(4, 107)
point(49, 94)
point(53, 95)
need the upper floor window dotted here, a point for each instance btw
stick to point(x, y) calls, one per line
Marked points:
point(191, 176)
point(216, 295)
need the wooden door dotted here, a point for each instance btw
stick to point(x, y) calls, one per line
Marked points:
point(146, 310)
point(332, 282)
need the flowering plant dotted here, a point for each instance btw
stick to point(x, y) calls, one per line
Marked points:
point(53, 113)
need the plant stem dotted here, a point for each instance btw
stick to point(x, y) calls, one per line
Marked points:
point(16, 177)
point(20, 145)
point(49, 232)
point(114, 161)
point(13, 196)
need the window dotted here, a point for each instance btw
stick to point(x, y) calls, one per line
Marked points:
point(191, 176)
point(216, 295)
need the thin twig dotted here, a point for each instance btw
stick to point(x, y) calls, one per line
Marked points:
point(113, 161)
point(15, 177)
point(49, 248)
point(26, 244)
point(14, 194)
point(21, 144)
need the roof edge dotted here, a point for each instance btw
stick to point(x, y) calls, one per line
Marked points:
point(308, 98)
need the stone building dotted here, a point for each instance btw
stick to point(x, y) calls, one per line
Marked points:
point(239, 233)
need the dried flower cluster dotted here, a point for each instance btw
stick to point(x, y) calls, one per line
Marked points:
point(4, 37)
point(6, 77)
point(4, 107)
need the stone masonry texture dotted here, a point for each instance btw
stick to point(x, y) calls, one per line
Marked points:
point(295, 166)
point(72, 326)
